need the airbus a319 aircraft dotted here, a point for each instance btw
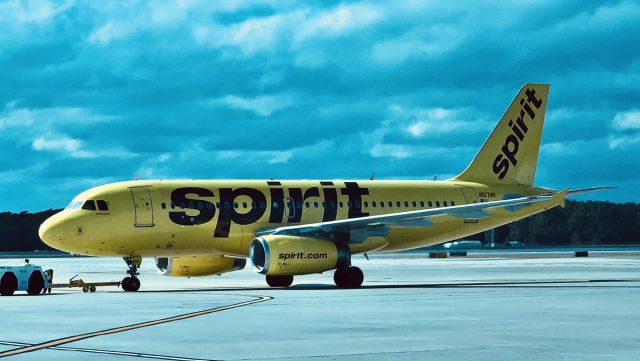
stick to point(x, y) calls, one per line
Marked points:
point(297, 227)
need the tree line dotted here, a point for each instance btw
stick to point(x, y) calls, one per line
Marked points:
point(579, 223)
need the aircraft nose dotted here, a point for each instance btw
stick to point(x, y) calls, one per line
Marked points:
point(50, 232)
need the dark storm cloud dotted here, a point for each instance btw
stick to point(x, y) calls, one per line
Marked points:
point(94, 92)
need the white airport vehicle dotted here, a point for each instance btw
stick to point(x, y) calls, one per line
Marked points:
point(28, 278)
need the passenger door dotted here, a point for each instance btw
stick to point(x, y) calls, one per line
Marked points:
point(143, 206)
point(289, 209)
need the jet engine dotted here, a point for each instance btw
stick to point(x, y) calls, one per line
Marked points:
point(292, 255)
point(198, 265)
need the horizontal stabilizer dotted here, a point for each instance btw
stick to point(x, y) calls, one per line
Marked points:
point(577, 192)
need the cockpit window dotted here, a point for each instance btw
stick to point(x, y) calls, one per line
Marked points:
point(102, 205)
point(89, 205)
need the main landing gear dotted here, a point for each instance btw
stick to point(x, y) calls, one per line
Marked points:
point(131, 283)
point(279, 281)
point(344, 277)
point(348, 277)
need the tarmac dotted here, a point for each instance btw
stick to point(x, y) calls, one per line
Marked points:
point(490, 307)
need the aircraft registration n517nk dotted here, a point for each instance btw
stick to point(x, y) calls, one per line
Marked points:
point(297, 227)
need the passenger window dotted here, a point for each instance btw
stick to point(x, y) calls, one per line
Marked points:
point(200, 205)
point(209, 205)
point(381, 204)
point(366, 204)
point(430, 204)
point(307, 204)
point(103, 206)
point(406, 204)
point(275, 205)
point(181, 204)
point(422, 204)
point(398, 204)
point(349, 204)
point(315, 204)
point(357, 204)
point(324, 204)
point(262, 205)
point(173, 205)
point(341, 205)
point(227, 205)
point(373, 204)
point(390, 204)
point(415, 204)
point(253, 205)
point(333, 204)
point(299, 205)
point(235, 205)
point(453, 203)
point(445, 203)
point(437, 203)
point(89, 205)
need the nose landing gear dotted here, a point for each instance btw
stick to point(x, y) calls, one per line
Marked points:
point(131, 283)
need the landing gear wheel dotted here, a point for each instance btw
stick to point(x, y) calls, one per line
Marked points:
point(279, 281)
point(92, 289)
point(132, 283)
point(85, 289)
point(350, 277)
point(125, 283)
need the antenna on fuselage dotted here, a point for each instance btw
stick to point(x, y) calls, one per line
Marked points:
point(435, 177)
point(373, 176)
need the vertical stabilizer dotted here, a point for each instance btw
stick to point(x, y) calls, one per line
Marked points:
point(510, 154)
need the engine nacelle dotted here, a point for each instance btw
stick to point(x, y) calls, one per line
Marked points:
point(199, 265)
point(291, 255)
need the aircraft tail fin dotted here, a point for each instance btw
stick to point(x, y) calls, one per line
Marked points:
point(510, 154)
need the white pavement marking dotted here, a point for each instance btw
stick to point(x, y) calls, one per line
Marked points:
point(65, 340)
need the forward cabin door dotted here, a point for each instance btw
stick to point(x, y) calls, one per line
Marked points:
point(143, 207)
point(289, 208)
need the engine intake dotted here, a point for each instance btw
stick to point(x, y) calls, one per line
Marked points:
point(291, 255)
point(198, 265)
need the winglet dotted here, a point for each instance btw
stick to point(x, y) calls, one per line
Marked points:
point(560, 197)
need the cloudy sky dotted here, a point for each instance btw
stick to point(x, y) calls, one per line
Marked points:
point(95, 92)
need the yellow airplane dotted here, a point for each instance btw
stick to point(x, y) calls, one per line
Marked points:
point(297, 227)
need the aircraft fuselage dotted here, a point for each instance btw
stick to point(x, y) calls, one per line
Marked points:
point(200, 217)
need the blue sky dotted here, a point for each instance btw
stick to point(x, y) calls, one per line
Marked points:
point(94, 92)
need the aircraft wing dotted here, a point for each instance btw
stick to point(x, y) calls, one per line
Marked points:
point(357, 230)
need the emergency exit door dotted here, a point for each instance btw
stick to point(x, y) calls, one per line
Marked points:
point(143, 207)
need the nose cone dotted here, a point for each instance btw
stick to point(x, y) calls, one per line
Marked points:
point(50, 231)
